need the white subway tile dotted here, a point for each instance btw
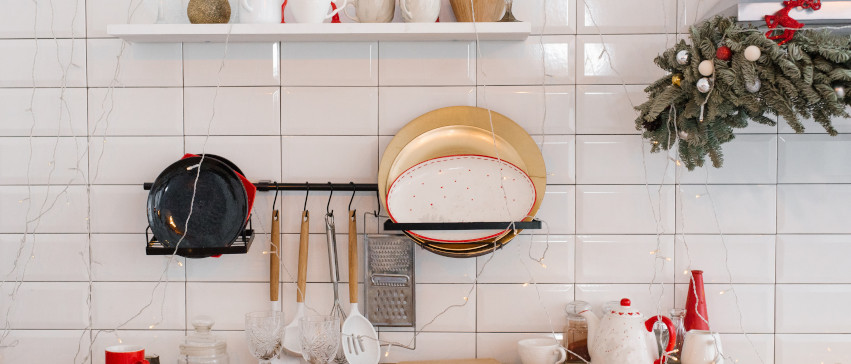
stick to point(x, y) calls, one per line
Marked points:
point(338, 159)
point(608, 109)
point(813, 258)
point(427, 63)
point(329, 63)
point(617, 59)
point(43, 160)
point(750, 258)
point(599, 209)
point(238, 111)
point(119, 209)
point(819, 209)
point(245, 64)
point(141, 64)
point(433, 268)
point(257, 156)
point(115, 304)
point(755, 302)
point(430, 346)
point(51, 117)
point(121, 257)
point(517, 307)
point(558, 209)
point(558, 152)
point(638, 258)
point(329, 110)
point(250, 267)
point(44, 257)
point(43, 63)
point(750, 158)
point(132, 160)
point(814, 158)
point(45, 305)
point(808, 348)
point(750, 348)
point(620, 159)
point(691, 12)
point(432, 300)
point(645, 297)
point(739, 209)
point(631, 17)
point(30, 346)
point(547, 110)
point(135, 111)
point(104, 12)
point(43, 209)
point(156, 342)
point(207, 298)
point(534, 61)
point(518, 261)
point(558, 16)
point(812, 308)
point(57, 19)
point(399, 105)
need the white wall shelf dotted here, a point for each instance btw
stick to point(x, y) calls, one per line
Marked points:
point(326, 32)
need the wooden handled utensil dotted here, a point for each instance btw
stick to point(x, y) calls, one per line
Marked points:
point(275, 258)
point(353, 257)
point(292, 332)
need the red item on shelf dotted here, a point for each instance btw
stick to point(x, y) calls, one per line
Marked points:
point(696, 316)
point(783, 21)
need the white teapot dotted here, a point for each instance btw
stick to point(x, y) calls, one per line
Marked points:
point(622, 336)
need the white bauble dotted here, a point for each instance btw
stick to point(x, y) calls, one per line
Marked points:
point(682, 57)
point(706, 68)
point(754, 87)
point(703, 85)
point(840, 91)
point(752, 53)
point(683, 134)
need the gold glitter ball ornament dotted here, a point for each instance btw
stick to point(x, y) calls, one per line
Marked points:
point(208, 11)
point(676, 79)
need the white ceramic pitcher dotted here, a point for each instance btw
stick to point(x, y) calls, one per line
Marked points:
point(420, 11)
point(312, 11)
point(372, 11)
point(702, 347)
point(260, 11)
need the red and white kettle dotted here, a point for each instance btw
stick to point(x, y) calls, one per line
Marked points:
point(623, 336)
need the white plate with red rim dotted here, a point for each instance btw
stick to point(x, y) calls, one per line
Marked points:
point(461, 188)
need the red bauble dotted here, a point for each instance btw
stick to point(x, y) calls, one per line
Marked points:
point(724, 53)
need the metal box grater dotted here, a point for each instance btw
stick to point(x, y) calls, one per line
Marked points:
point(389, 285)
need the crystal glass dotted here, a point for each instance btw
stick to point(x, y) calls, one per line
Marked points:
point(509, 16)
point(265, 333)
point(320, 338)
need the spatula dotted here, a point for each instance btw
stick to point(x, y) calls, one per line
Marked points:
point(359, 340)
point(292, 332)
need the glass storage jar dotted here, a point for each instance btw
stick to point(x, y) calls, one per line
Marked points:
point(576, 332)
point(202, 346)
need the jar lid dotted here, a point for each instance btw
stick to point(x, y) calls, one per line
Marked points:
point(575, 307)
point(202, 342)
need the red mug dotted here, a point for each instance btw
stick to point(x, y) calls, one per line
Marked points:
point(125, 354)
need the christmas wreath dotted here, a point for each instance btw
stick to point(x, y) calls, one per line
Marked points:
point(731, 75)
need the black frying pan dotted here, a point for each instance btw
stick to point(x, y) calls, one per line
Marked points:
point(220, 209)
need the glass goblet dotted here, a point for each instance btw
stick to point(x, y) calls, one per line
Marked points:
point(265, 333)
point(320, 338)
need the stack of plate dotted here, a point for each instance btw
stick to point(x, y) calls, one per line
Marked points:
point(448, 166)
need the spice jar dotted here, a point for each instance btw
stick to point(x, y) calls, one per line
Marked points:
point(202, 346)
point(576, 332)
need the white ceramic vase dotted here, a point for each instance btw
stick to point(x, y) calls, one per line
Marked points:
point(702, 347)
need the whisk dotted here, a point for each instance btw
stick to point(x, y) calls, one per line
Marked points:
point(336, 310)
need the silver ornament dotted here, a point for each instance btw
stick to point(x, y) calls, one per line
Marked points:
point(683, 134)
point(682, 57)
point(703, 85)
point(840, 91)
point(753, 87)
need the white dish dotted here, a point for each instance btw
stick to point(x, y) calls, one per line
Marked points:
point(461, 188)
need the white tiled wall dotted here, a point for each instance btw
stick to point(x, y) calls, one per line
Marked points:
point(618, 217)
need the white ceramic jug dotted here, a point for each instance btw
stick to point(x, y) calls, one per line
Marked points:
point(702, 347)
point(260, 11)
point(420, 11)
point(312, 11)
point(372, 11)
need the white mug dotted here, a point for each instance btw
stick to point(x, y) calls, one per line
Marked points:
point(702, 347)
point(312, 11)
point(372, 11)
point(420, 11)
point(541, 351)
point(260, 11)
